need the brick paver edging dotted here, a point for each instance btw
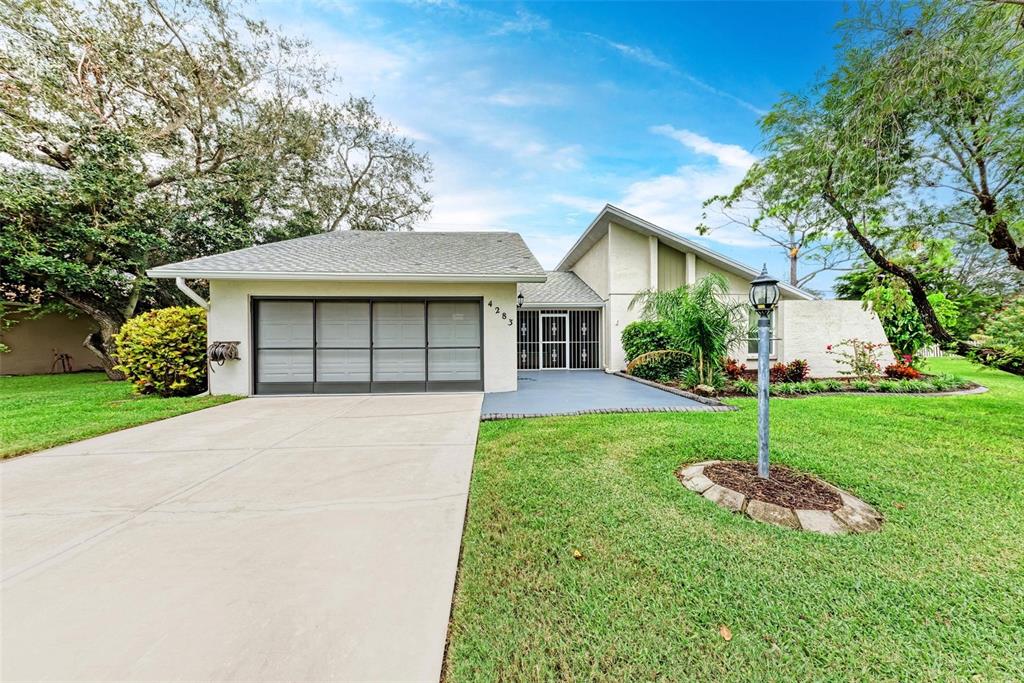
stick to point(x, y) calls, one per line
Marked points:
point(854, 517)
point(609, 411)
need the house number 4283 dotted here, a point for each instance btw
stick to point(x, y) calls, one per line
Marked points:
point(497, 311)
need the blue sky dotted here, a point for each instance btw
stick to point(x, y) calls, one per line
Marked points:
point(536, 114)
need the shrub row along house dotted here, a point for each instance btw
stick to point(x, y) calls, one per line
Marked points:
point(351, 312)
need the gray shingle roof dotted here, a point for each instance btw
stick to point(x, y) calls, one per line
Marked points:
point(350, 254)
point(561, 288)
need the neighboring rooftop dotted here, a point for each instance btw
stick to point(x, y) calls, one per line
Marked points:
point(355, 255)
point(560, 289)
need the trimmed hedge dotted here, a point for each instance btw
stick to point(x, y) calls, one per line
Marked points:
point(164, 351)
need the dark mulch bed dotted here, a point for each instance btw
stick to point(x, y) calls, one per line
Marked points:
point(786, 487)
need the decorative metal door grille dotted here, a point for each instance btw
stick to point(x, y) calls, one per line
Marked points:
point(553, 340)
point(584, 339)
point(558, 339)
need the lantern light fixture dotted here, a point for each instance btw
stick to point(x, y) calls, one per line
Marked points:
point(764, 293)
point(519, 300)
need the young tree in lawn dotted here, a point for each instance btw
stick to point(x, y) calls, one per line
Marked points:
point(140, 133)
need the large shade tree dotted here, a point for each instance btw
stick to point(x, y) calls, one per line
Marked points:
point(921, 127)
point(133, 133)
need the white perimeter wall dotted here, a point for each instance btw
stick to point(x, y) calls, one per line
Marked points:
point(229, 320)
point(808, 327)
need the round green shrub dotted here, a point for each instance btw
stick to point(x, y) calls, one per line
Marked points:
point(164, 351)
point(645, 336)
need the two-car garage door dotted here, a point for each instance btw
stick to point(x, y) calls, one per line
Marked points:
point(306, 346)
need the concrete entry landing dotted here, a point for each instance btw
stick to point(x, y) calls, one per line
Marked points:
point(572, 392)
point(270, 539)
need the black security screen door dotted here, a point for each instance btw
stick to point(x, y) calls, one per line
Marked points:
point(553, 337)
point(329, 346)
point(558, 339)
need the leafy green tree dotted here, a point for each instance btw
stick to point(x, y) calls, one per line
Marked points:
point(1001, 341)
point(702, 320)
point(135, 133)
point(919, 127)
point(900, 320)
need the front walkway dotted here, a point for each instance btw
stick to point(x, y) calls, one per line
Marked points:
point(575, 392)
point(270, 539)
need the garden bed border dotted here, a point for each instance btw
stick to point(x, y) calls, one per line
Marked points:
point(855, 516)
point(679, 392)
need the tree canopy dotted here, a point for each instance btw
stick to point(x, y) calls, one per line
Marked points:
point(134, 133)
point(920, 129)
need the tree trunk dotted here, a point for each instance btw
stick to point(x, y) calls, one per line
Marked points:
point(794, 255)
point(917, 292)
point(1002, 239)
point(101, 343)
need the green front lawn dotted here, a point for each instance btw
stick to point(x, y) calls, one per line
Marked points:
point(41, 411)
point(938, 594)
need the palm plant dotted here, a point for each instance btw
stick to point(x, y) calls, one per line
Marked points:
point(704, 322)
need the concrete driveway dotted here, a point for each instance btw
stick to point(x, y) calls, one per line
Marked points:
point(270, 539)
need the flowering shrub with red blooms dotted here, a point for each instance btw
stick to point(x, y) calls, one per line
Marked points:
point(734, 370)
point(903, 369)
point(797, 370)
point(778, 373)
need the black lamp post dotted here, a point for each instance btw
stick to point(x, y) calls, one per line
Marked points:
point(519, 300)
point(764, 295)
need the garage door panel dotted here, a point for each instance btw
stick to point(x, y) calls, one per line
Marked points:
point(454, 323)
point(343, 324)
point(398, 324)
point(454, 365)
point(398, 365)
point(286, 365)
point(285, 324)
point(343, 365)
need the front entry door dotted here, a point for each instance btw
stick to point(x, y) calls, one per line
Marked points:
point(554, 340)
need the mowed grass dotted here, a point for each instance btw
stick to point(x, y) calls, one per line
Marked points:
point(42, 411)
point(937, 595)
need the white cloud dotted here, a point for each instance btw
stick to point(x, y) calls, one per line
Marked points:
point(722, 93)
point(644, 56)
point(636, 53)
point(524, 146)
point(728, 155)
point(460, 206)
point(524, 22)
point(675, 200)
point(533, 95)
point(549, 248)
point(413, 134)
point(578, 202)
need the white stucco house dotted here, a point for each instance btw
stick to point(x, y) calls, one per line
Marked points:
point(356, 312)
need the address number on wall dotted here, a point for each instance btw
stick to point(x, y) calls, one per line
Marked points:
point(497, 311)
